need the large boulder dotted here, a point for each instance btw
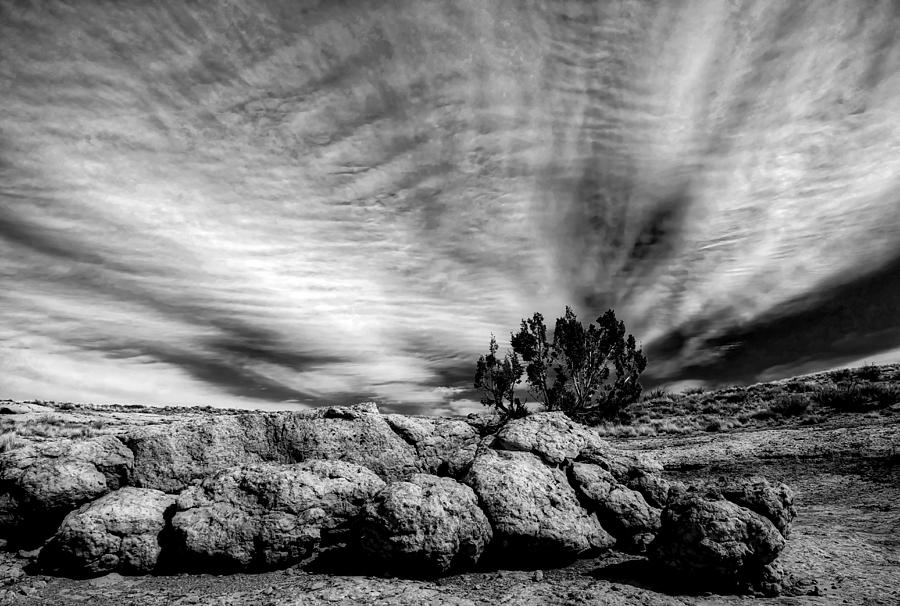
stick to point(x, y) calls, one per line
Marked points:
point(119, 532)
point(426, 526)
point(445, 447)
point(710, 537)
point(267, 515)
point(43, 481)
point(534, 511)
point(622, 510)
point(170, 457)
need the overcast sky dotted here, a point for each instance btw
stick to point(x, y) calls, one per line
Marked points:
point(274, 204)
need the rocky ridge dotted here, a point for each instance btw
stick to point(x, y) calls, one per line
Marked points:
point(253, 492)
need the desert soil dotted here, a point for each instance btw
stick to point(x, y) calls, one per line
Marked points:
point(845, 546)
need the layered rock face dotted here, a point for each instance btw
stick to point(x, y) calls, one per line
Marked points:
point(409, 496)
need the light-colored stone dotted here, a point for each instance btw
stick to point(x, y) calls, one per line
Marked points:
point(170, 457)
point(550, 435)
point(535, 513)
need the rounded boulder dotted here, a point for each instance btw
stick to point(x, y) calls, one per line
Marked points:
point(119, 532)
point(714, 538)
point(426, 526)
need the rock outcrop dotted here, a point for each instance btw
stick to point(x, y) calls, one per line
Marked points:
point(427, 526)
point(267, 515)
point(41, 482)
point(409, 495)
point(170, 457)
point(119, 532)
point(535, 512)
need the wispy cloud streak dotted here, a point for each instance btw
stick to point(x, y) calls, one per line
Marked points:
point(281, 203)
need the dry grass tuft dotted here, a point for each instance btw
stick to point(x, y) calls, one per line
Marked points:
point(9, 441)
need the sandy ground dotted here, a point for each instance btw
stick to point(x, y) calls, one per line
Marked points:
point(846, 539)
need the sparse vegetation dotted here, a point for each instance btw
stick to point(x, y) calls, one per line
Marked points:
point(808, 400)
point(657, 394)
point(9, 440)
point(790, 405)
point(858, 397)
point(869, 372)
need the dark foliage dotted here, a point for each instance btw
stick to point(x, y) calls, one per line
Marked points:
point(869, 372)
point(588, 372)
point(497, 379)
point(858, 397)
point(790, 405)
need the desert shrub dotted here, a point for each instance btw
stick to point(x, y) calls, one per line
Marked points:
point(50, 419)
point(842, 374)
point(657, 394)
point(497, 379)
point(857, 397)
point(869, 372)
point(590, 373)
point(790, 405)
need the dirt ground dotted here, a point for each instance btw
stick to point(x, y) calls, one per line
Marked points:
point(845, 545)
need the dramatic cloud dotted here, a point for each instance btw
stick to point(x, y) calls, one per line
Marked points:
point(295, 203)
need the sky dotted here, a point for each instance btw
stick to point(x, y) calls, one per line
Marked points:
point(266, 204)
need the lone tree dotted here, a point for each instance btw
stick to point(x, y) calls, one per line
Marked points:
point(497, 379)
point(590, 373)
